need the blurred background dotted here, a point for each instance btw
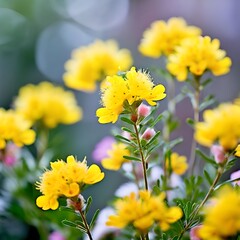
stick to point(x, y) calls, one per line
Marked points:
point(37, 37)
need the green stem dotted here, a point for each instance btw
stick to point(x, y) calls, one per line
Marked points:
point(84, 221)
point(195, 105)
point(196, 211)
point(142, 157)
point(42, 142)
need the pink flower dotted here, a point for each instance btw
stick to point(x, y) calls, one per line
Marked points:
point(235, 175)
point(144, 110)
point(218, 153)
point(148, 134)
point(194, 233)
point(101, 148)
point(10, 154)
point(56, 236)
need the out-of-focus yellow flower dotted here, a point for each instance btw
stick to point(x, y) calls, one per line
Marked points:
point(134, 86)
point(13, 127)
point(65, 179)
point(143, 211)
point(198, 55)
point(115, 157)
point(221, 125)
point(49, 104)
point(222, 216)
point(179, 163)
point(162, 37)
point(94, 62)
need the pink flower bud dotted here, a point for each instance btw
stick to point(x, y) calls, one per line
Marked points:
point(194, 233)
point(218, 153)
point(10, 155)
point(143, 110)
point(148, 134)
point(235, 175)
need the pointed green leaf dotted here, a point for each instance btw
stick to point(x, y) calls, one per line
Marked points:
point(121, 138)
point(204, 157)
point(126, 120)
point(208, 178)
point(132, 158)
point(89, 202)
point(94, 218)
point(152, 140)
point(158, 118)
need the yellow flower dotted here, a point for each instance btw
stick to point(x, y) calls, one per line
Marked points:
point(143, 211)
point(49, 104)
point(162, 37)
point(134, 86)
point(13, 127)
point(115, 159)
point(198, 55)
point(237, 151)
point(65, 179)
point(179, 163)
point(94, 62)
point(222, 216)
point(221, 124)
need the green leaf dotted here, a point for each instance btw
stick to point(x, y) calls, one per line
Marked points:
point(126, 120)
point(67, 209)
point(206, 158)
point(190, 122)
point(128, 130)
point(69, 223)
point(158, 118)
point(156, 190)
point(174, 142)
point(208, 178)
point(94, 218)
point(208, 101)
point(206, 82)
point(121, 138)
point(132, 158)
point(89, 202)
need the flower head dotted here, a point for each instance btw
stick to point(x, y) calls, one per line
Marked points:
point(134, 86)
point(162, 37)
point(65, 179)
point(148, 210)
point(218, 153)
point(94, 62)
point(198, 55)
point(47, 103)
point(178, 164)
point(114, 158)
point(13, 127)
point(221, 125)
point(222, 218)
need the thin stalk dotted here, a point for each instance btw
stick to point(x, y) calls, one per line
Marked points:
point(195, 105)
point(42, 142)
point(196, 211)
point(84, 221)
point(142, 156)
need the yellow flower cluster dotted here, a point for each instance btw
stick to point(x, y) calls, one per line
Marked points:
point(47, 103)
point(162, 37)
point(198, 55)
point(222, 216)
point(115, 159)
point(65, 179)
point(134, 86)
point(13, 127)
point(179, 163)
point(92, 63)
point(221, 124)
point(143, 211)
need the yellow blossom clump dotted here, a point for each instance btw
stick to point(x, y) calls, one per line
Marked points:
point(13, 127)
point(221, 125)
point(115, 159)
point(143, 212)
point(94, 62)
point(178, 163)
point(198, 55)
point(162, 37)
point(133, 86)
point(65, 179)
point(237, 151)
point(48, 104)
point(222, 216)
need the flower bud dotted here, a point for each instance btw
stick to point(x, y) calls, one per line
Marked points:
point(148, 134)
point(218, 153)
point(143, 110)
point(235, 175)
point(78, 204)
point(56, 236)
